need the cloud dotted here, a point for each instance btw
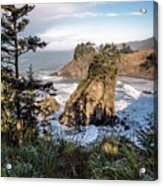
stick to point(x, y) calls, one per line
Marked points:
point(37, 17)
point(63, 25)
point(134, 14)
point(90, 14)
point(73, 15)
point(67, 37)
point(112, 14)
point(46, 15)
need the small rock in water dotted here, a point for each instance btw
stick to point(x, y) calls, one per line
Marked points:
point(127, 127)
point(123, 123)
point(147, 92)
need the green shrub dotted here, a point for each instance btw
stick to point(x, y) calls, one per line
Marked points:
point(151, 61)
point(83, 49)
point(114, 158)
point(105, 62)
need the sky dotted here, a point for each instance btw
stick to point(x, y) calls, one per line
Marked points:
point(64, 25)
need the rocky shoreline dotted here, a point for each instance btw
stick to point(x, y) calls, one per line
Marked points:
point(130, 66)
point(129, 99)
point(91, 104)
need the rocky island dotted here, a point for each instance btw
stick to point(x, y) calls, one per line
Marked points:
point(93, 100)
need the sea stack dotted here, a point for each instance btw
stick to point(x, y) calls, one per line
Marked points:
point(93, 100)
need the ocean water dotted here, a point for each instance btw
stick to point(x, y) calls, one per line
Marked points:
point(130, 101)
point(44, 61)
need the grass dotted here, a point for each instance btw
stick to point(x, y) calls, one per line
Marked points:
point(112, 159)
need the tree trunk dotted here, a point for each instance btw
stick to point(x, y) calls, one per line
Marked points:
point(16, 69)
point(16, 64)
point(19, 122)
point(19, 126)
point(16, 53)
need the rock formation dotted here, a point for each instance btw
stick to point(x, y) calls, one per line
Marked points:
point(93, 100)
point(130, 66)
point(131, 60)
point(47, 106)
point(78, 67)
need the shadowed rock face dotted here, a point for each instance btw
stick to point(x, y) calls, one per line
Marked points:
point(93, 103)
point(93, 100)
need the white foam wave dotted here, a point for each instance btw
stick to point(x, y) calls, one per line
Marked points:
point(120, 105)
point(66, 87)
point(90, 135)
point(131, 105)
point(131, 91)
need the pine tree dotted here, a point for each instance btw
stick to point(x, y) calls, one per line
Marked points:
point(14, 21)
point(126, 49)
point(83, 49)
point(29, 106)
point(13, 45)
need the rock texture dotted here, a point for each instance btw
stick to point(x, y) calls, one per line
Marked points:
point(76, 68)
point(91, 103)
point(47, 106)
point(130, 66)
point(93, 100)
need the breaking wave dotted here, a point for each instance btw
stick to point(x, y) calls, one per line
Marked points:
point(132, 106)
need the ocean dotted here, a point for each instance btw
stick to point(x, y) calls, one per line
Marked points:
point(44, 61)
point(130, 101)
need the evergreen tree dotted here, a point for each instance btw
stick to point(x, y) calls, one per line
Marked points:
point(126, 49)
point(13, 45)
point(83, 49)
point(14, 21)
point(28, 111)
point(151, 61)
point(106, 61)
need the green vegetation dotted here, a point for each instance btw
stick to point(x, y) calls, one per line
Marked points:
point(13, 45)
point(151, 61)
point(14, 21)
point(105, 62)
point(114, 158)
point(126, 49)
point(33, 156)
point(83, 49)
point(13, 130)
point(17, 110)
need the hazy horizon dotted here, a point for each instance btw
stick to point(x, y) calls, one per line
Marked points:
point(72, 50)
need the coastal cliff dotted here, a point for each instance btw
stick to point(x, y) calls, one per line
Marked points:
point(130, 66)
point(133, 56)
point(93, 100)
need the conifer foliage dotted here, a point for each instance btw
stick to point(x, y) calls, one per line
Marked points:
point(14, 21)
point(14, 43)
